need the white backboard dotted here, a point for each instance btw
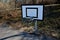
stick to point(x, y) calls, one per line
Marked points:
point(34, 11)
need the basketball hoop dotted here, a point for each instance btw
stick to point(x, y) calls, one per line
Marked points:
point(33, 12)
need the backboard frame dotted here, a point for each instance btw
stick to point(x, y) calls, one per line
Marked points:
point(36, 12)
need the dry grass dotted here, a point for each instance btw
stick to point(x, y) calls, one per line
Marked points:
point(7, 15)
point(4, 6)
point(17, 25)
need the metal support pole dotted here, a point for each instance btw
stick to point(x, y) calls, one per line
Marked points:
point(15, 4)
point(35, 27)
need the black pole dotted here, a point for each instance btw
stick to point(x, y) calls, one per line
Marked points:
point(42, 2)
point(34, 1)
point(15, 3)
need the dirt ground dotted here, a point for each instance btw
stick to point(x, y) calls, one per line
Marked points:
point(6, 33)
